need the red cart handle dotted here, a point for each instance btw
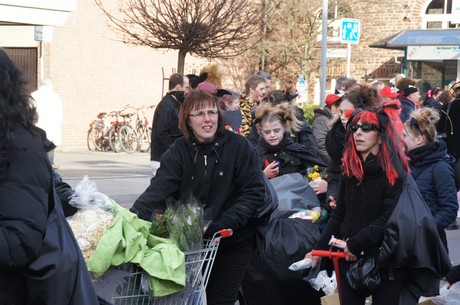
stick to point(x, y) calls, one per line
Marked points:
point(334, 256)
point(328, 253)
point(226, 232)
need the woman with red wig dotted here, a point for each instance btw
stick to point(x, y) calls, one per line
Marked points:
point(373, 170)
point(376, 192)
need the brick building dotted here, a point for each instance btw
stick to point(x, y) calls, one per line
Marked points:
point(94, 72)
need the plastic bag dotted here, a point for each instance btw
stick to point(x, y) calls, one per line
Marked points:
point(86, 196)
point(446, 296)
point(95, 215)
point(324, 282)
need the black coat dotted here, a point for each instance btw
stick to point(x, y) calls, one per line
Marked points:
point(165, 125)
point(451, 127)
point(433, 171)
point(40, 261)
point(334, 143)
point(363, 209)
point(223, 175)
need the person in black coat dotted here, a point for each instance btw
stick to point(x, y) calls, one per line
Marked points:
point(29, 271)
point(165, 122)
point(373, 171)
point(431, 167)
point(221, 170)
point(278, 153)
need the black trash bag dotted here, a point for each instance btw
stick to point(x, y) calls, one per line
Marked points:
point(294, 194)
point(268, 280)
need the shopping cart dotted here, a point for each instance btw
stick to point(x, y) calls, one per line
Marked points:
point(128, 283)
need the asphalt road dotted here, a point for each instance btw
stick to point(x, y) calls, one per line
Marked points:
point(123, 177)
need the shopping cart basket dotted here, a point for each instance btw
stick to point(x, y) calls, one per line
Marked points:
point(124, 285)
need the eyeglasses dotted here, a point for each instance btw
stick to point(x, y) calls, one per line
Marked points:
point(202, 114)
point(364, 127)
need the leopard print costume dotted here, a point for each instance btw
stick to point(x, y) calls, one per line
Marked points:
point(246, 106)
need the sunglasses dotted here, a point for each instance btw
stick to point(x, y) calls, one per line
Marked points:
point(364, 127)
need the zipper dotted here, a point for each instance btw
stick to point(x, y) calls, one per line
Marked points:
point(205, 165)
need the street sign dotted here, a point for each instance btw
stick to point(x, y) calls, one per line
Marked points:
point(349, 31)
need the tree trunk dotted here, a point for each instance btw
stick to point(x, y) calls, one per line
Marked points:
point(181, 61)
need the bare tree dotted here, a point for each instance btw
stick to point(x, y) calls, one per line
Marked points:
point(205, 28)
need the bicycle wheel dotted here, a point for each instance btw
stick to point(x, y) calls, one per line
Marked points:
point(95, 139)
point(145, 135)
point(114, 139)
point(128, 139)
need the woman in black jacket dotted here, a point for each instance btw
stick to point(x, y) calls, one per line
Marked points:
point(32, 271)
point(221, 170)
point(373, 171)
point(431, 167)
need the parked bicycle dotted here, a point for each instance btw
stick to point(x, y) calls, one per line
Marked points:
point(137, 135)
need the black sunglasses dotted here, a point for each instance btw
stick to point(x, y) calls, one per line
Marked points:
point(364, 127)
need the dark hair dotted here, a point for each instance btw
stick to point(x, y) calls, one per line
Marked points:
point(15, 106)
point(175, 79)
point(195, 80)
point(364, 98)
point(276, 97)
point(197, 99)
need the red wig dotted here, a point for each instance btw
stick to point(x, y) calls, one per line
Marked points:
point(390, 156)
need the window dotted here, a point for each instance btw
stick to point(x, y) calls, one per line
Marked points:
point(438, 15)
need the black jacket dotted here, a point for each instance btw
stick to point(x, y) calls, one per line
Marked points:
point(33, 271)
point(451, 127)
point(223, 175)
point(433, 171)
point(363, 209)
point(165, 126)
point(335, 142)
point(293, 157)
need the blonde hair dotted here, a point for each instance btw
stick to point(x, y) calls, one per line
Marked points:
point(423, 121)
point(284, 112)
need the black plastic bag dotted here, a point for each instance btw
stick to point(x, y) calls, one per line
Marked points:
point(364, 275)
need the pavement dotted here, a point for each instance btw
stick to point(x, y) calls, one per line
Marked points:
point(123, 177)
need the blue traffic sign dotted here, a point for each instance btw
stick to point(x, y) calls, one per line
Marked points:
point(349, 31)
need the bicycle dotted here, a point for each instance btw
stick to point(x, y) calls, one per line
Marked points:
point(137, 136)
point(114, 135)
point(97, 138)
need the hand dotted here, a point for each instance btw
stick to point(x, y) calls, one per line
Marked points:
point(272, 170)
point(350, 256)
point(332, 202)
point(320, 186)
point(314, 259)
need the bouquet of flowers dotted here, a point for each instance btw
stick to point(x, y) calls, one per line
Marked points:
point(313, 174)
point(183, 223)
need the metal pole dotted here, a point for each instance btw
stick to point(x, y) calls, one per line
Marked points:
point(42, 62)
point(348, 59)
point(323, 54)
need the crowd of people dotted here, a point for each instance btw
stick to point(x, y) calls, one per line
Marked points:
point(379, 149)
point(367, 138)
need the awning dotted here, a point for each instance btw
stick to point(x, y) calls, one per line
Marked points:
point(36, 12)
point(403, 39)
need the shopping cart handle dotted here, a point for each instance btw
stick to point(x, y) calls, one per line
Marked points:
point(226, 232)
point(328, 253)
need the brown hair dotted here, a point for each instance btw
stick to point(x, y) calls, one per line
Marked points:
point(423, 121)
point(194, 100)
point(283, 112)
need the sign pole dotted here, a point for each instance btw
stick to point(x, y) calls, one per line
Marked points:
point(348, 59)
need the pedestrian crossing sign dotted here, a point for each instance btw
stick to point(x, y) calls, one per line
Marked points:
point(349, 31)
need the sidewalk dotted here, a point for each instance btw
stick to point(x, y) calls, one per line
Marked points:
point(121, 176)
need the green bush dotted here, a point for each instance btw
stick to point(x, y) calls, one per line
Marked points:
point(308, 111)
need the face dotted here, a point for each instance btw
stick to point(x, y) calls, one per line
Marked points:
point(414, 97)
point(268, 84)
point(273, 132)
point(367, 139)
point(258, 92)
point(346, 104)
point(186, 87)
point(232, 104)
point(411, 139)
point(204, 122)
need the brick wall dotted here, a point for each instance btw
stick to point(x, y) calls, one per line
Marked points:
point(94, 72)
